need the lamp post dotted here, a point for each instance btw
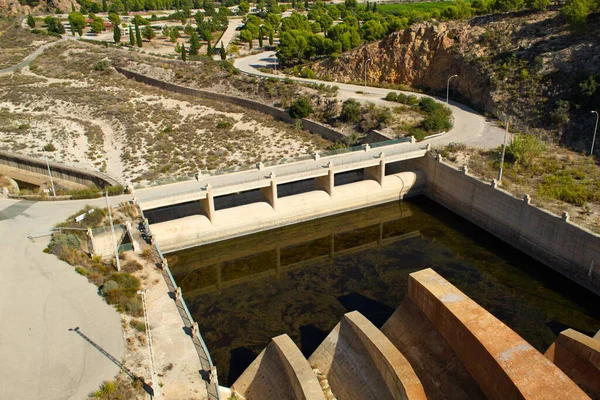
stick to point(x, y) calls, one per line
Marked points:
point(595, 130)
point(503, 152)
point(366, 62)
point(448, 88)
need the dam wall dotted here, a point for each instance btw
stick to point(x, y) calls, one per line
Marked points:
point(255, 217)
point(567, 248)
point(59, 171)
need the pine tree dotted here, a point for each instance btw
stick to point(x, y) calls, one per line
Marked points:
point(194, 44)
point(223, 52)
point(116, 33)
point(131, 39)
point(138, 35)
point(183, 57)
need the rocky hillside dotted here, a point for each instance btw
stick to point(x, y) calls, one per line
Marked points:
point(524, 65)
point(14, 7)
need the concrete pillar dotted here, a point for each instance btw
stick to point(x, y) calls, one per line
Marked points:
point(527, 199)
point(164, 264)
point(565, 216)
point(376, 172)
point(465, 169)
point(207, 205)
point(178, 294)
point(195, 329)
point(326, 183)
point(269, 193)
point(212, 376)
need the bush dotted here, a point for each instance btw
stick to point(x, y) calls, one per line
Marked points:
point(436, 122)
point(391, 96)
point(300, 108)
point(108, 287)
point(523, 149)
point(224, 125)
point(89, 193)
point(418, 134)
point(115, 190)
point(102, 65)
point(565, 188)
point(138, 325)
point(428, 105)
point(81, 271)
point(350, 111)
point(49, 147)
point(307, 73)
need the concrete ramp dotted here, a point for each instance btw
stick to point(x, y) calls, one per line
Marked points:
point(279, 372)
point(361, 363)
point(442, 374)
point(578, 356)
point(503, 364)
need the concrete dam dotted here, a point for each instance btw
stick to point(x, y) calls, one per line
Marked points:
point(439, 343)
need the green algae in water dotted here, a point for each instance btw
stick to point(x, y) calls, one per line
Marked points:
point(301, 279)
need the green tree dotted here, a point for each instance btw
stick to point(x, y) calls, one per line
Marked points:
point(97, 25)
point(247, 36)
point(114, 18)
point(116, 33)
point(54, 25)
point(244, 7)
point(183, 55)
point(260, 37)
point(104, 6)
point(271, 38)
point(300, 108)
point(174, 35)
point(576, 13)
point(223, 52)
point(77, 22)
point(31, 21)
point(148, 32)
point(138, 36)
point(194, 44)
point(131, 38)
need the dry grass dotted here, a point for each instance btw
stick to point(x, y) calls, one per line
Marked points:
point(16, 43)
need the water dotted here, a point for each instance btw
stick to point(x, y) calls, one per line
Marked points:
point(241, 295)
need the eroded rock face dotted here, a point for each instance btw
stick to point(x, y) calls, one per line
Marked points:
point(13, 7)
point(423, 56)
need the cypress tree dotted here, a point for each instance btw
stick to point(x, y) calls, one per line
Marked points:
point(306, 4)
point(223, 52)
point(31, 21)
point(208, 48)
point(104, 6)
point(375, 7)
point(183, 57)
point(138, 36)
point(271, 38)
point(131, 39)
point(194, 44)
point(117, 33)
point(72, 7)
point(260, 37)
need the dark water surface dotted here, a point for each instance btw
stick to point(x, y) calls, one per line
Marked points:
point(301, 279)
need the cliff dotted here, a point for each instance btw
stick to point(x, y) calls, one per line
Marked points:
point(524, 65)
point(14, 7)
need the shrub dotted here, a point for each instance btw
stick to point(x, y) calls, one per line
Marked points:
point(108, 287)
point(102, 65)
point(418, 134)
point(115, 190)
point(350, 111)
point(301, 108)
point(436, 122)
point(81, 271)
point(307, 73)
point(565, 188)
point(428, 105)
point(391, 96)
point(224, 125)
point(89, 193)
point(523, 149)
point(49, 147)
point(138, 325)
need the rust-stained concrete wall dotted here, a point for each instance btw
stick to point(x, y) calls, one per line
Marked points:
point(552, 240)
point(503, 364)
point(279, 372)
point(361, 363)
point(578, 356)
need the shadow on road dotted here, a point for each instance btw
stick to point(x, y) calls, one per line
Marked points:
point(147, 387)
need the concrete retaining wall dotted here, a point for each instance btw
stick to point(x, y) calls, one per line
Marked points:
point(59, 171)
point(551, 239)
point(503, 364)
point(277, 113)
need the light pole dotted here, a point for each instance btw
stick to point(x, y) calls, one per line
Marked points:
point(595, 130)
point(51, 181)
point(503, 152)
point(448, 88)
point(366, 62)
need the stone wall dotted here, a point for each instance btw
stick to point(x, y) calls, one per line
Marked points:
point(59, 171)
point(277, 113)
point(549, 238)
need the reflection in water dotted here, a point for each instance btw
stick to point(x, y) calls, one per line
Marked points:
point(301, 279)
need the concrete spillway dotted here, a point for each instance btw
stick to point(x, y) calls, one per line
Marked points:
point(439, 344)
point(236, 221)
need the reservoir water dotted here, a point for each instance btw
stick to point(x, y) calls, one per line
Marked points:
point(301, 279)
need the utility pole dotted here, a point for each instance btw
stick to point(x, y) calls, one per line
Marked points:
point(595, 130)
point(448, 88)
point(366, 62)
point(114, 240)
point(503, 152)
point(50, 174)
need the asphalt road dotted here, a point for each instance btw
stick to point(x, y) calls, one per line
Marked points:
point(41, 298)
point(469, 127)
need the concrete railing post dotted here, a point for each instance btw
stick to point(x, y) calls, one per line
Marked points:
point(269, 193)
point(465, 169)
point(178, 294)
point(207, 205)
point(367, 147)
point(195, 329)
point(527, 199)
point(565, 216)
point(494, 184)
point(413, 140)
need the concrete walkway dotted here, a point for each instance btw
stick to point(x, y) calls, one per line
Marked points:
point(41, 299)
